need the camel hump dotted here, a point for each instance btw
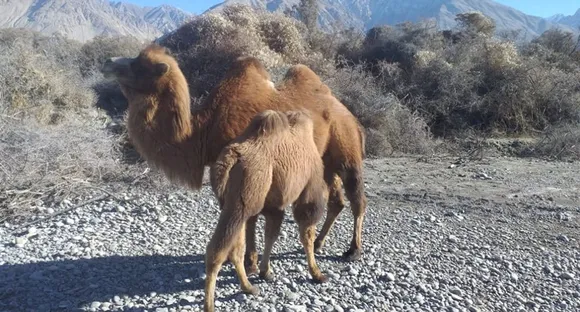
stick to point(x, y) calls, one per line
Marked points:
point(269, 122)
point(244, 65)
point(298, 117)
point(303, 78)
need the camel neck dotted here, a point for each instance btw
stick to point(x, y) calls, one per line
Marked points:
point(168, 134)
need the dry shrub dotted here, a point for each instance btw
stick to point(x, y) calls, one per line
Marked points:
point(40, 86)
point(53, 141)
point(465, 79)
point(561, 142)
point(476, 23)
point(501, 55)
point(93, 54)
point(390, 125)
point(206, 46)
point(97, 50)
point(40, 165)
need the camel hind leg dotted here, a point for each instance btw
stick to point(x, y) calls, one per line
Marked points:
point(227, 242)
point(271, 233)
point(251, 256)
point(307, 211)
point(354, 188)
point(335, 207)
point(237, 258)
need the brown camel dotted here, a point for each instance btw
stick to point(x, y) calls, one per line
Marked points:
point(181, 143)
point(272, 164)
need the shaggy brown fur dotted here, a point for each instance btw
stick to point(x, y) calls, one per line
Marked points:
point(272, 164)
point(167, 134)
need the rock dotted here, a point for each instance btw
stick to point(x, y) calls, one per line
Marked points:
point(162, 309)
point(453, 239)
point(95, 305)
point(32, 231)
point(292, 296)
point(49, 210)
point(20, 241)
point(514, 277)
point(456, 291)
point(390, 277)
point(567, 276)
point(184, 300)
point(352, 271)
point(162, 218)
point(416, 222)
point(547, 269)
point(69, 221)
point(563, 238)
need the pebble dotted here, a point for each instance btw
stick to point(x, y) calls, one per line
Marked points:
point(567, 276)
point(69, 221)
point(20, 241)
point(401, 269)
point(456, 291)
point(514, 277)
point(453, 239)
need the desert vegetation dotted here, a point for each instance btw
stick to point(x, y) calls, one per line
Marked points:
point(412, 86)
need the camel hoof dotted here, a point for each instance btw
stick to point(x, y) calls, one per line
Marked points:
point(251, 270)
point(317, 246)
point(253, 290)
point(321, 279)
point(352, 254)
point(267, 276)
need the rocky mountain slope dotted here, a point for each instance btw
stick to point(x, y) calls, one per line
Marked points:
point(85, 19)
point(364, 14)
point(570, 20)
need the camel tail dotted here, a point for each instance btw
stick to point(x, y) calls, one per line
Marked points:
point(220, 173)
point(268, 122)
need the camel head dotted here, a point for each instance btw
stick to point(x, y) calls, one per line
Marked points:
point(147, 73)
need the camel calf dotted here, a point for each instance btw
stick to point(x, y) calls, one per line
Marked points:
point(272, 164)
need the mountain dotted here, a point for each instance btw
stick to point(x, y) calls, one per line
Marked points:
point(570, 20)
point(84, 19)
point(364, 14)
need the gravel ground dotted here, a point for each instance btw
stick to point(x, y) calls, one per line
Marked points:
point(493, 235)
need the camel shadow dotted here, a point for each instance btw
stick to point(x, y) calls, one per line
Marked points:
point(69, 285)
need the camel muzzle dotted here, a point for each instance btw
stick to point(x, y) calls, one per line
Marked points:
point(116, 66)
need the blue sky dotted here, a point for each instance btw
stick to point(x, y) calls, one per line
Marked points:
point(542, 8)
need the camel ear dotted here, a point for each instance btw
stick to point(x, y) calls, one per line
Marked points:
point(161, 69)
